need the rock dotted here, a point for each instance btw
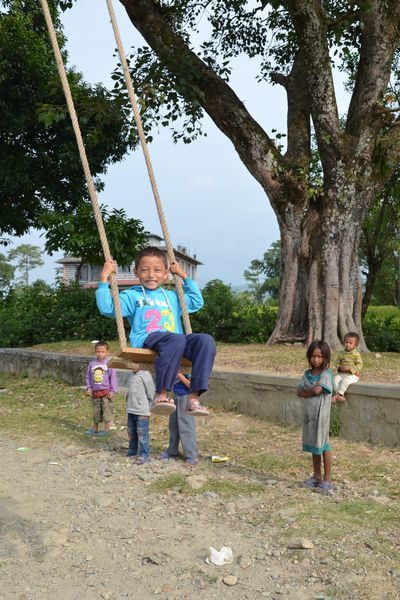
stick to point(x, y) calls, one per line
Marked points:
point(89, 557)
point(230, 580)
point(105, 595)
point(271, 482)
point(300, 544)
point(395, 572)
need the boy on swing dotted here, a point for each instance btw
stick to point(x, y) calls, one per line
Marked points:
point(154, 315)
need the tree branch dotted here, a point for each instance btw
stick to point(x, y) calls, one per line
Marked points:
point(310, 23)
point(255, 148)
point(380, 37)
point(298, 117)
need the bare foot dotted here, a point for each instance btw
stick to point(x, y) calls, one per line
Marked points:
point(340, 398)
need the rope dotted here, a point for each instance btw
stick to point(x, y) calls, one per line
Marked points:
point(86, 169)
point(136, 114)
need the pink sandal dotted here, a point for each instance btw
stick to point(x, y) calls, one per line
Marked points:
point(195, 409)
point(163, 408)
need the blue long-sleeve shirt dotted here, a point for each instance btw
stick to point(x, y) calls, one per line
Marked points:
point(149, 311)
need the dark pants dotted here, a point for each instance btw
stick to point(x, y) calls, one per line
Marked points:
point(171, 347)
point(138, 431)
point(182, 428)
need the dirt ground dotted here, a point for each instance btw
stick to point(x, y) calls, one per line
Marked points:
point(80, 521)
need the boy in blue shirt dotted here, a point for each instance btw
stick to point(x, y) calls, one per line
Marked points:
point(154, 315)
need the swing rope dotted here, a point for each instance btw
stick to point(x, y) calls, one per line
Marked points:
point(86, 169)
point(157, 200)
point(89, 178)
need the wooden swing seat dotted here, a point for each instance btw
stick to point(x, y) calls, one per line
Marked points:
point(137, 356)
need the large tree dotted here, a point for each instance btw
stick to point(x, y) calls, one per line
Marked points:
point(298, 42)
point(40, 169)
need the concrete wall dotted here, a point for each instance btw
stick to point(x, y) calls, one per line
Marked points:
point(371, 413)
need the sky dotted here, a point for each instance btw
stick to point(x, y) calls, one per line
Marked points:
point(213, 206)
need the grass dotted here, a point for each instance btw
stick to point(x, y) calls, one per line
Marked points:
point(384, 312)
point(279, 360)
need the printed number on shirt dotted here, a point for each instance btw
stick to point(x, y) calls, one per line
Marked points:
point(159, 321)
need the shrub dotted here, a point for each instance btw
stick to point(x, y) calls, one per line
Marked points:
point(382, 335)
point(39, 313)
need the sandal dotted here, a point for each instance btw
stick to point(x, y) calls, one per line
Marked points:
point(165, 408)
point(192, 461)
point(325, 487)
point(141, 460)
point(165, 456)
point(311, 482)
point(196, 409)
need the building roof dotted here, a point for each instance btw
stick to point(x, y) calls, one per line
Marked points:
point(180, 252)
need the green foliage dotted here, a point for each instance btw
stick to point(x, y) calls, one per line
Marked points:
point(231, 317)
point(379, 250)
point(382, 335)
point(264, 275)
point(40, 313)
point(77, 235)
point(40, 168)
point(28, 257)
point(7, 271)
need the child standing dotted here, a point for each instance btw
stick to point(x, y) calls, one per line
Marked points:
point(138, 401)
point(101, 386)
point(349, 365)
point(182, 426)
point(154, 314)
point(316, 389)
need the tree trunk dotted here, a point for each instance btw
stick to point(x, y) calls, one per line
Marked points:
point(373, 270)
point(321, 292)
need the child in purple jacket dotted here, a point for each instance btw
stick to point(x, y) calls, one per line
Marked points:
point(101, 385)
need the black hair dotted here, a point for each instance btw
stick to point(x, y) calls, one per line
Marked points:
point(325, 351)
point(352, 334)
point(151, 251)
point(101, 343)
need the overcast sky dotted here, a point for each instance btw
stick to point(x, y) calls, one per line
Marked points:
point(212, 204)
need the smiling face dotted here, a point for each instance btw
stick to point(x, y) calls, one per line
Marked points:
point(350, 343)
point(151, 272)
point(316, 359)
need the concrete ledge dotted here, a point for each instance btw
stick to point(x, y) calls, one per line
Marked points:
point(371, 414)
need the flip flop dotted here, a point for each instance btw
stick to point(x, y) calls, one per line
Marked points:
point(197, 410)
point(163, 408)
point(325, 487)
point(311, 482)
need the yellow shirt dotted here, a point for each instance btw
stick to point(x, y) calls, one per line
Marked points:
point(350, 359)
